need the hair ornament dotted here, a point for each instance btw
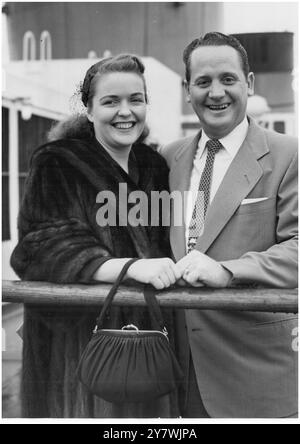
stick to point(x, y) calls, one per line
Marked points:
point(76, 105)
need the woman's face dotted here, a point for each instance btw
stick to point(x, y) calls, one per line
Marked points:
point(118, 109)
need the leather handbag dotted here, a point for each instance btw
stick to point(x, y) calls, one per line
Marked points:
point(130, 365)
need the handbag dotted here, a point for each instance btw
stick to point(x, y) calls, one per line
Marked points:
point(129, 365)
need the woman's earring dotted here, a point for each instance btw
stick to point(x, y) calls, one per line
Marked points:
point(188, 99)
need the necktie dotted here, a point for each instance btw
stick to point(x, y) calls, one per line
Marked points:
point(197, 222)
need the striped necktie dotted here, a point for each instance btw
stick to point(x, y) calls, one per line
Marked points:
point(197, 222)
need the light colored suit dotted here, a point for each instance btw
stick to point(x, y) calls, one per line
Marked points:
point(244, 361)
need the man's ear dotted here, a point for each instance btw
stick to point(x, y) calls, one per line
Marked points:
point(187, 90)
point(250, 82)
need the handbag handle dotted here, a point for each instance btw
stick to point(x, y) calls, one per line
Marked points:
point(149, 295)
point(154, 308)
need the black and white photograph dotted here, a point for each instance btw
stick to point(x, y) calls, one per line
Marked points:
point(149, 214)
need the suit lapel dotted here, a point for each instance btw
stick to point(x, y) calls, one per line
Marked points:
point(242, 175)
point(179, 178)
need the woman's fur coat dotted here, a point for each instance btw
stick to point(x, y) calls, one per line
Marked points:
point(60, 241)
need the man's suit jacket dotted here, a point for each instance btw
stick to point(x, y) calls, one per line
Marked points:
point(244, 361)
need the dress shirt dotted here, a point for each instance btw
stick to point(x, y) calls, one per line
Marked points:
point(231, 145)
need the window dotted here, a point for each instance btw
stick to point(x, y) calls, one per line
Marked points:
point(45, 46)
point(279, 126)
point(29, 46)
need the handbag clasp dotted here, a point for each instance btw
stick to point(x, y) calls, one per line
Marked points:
point(130, 327)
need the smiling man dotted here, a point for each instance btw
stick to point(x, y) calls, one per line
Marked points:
point(240, 228)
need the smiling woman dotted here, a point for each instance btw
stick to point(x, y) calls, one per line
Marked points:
point(118, 112)
point(61, 241)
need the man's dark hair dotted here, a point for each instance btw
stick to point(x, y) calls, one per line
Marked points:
point(215, 39)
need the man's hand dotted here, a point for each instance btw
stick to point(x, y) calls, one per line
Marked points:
point(199, 270)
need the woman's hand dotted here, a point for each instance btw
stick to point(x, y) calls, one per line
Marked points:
point(161, 273)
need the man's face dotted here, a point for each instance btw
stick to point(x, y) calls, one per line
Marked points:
point(218, 89)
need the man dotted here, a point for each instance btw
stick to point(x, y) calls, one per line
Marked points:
point(240, 228)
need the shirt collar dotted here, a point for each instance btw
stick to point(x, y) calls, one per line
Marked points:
point(232, 142)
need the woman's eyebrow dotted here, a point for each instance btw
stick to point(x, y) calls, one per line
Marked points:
point(110, 96)
point(115, 96)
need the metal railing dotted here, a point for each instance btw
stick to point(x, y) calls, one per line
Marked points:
point(242, 298)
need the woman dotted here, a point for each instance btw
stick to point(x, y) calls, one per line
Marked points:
point(62, 239)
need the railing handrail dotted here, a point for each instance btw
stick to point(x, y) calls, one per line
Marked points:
point(243, 299)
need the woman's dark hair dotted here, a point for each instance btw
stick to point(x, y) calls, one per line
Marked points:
point(215, 39)
point(119, 63)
